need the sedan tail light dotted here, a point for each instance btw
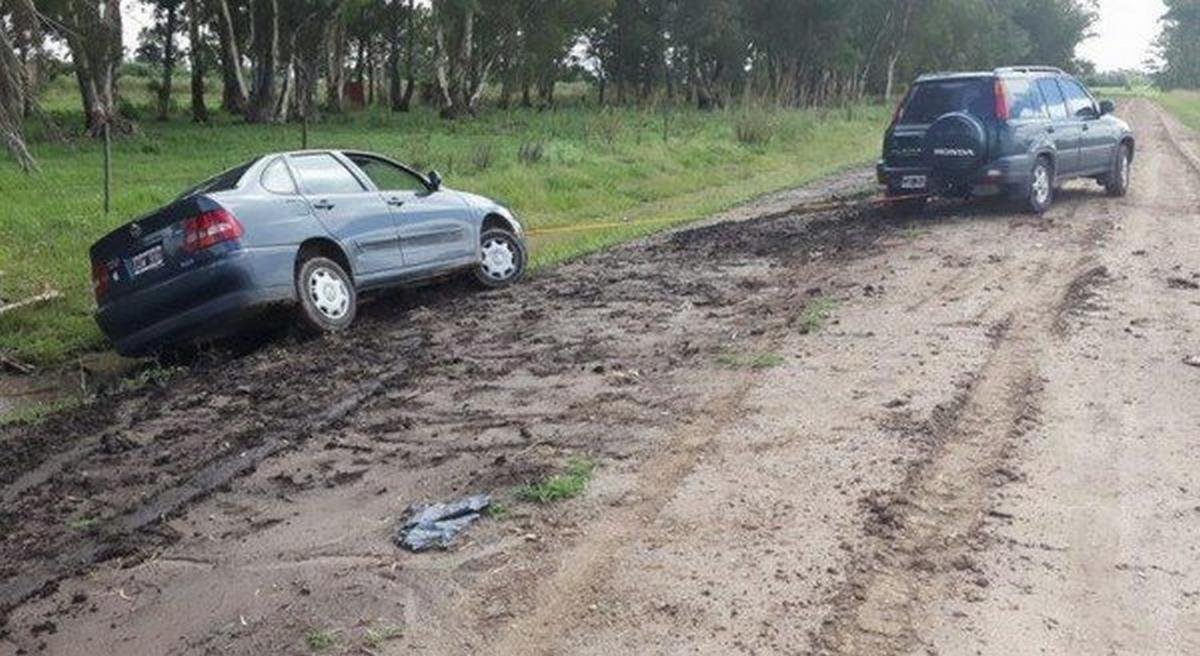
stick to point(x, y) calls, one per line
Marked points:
point(100, 280)
point(209, 229)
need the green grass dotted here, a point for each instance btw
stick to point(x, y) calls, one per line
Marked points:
point(558, 487)
point(643, 169)
point(1185, 105)
point(35, 413)
point(320, 640)
point(816, 314)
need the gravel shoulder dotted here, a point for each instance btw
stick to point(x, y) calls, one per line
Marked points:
point(835, 433)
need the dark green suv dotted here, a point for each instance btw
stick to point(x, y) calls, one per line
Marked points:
point(1015, 131)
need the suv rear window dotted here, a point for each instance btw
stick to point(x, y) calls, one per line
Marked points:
point(930, 100)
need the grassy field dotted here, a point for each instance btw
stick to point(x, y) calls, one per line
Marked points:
point(1185, 105)
point(647, 168)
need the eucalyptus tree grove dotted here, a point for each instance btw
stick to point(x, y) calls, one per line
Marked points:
point(276, 57)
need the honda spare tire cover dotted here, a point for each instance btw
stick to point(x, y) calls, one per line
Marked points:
point(955, 144)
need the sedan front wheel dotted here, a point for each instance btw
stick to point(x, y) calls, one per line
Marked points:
point(502, 259)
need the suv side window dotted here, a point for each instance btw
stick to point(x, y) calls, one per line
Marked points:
point(388, 176)
point(1078, 101)
point(1055, 101)
point(1024, 100)
point(321, 173)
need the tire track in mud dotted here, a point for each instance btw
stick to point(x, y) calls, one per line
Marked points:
point(111, 538)
point(925, 532)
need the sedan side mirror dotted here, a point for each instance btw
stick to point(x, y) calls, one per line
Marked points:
point(435, 180)
point(1107, 107)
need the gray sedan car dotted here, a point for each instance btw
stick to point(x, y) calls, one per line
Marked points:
point(312, 229)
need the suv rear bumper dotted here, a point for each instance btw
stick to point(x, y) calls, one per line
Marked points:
point(989, 179)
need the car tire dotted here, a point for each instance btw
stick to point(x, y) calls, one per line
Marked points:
point(502, 259)
point(1040, 193)
point(328, 300)
point(1117, 180)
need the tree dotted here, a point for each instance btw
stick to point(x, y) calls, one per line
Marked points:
point(235, 93)
point(196, 61)
point(157, 46)
point(461, 67)
point(1178, 45)
point(15, 84)
point(264, 61)
point(91, 30)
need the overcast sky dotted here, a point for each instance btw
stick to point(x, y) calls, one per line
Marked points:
point(1124, 34)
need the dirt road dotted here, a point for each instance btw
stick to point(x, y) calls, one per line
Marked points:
point(967, 433)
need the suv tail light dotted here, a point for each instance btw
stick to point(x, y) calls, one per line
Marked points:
point(1001, 101)
point(100, 280)
point(209, 229)
point(899, 109)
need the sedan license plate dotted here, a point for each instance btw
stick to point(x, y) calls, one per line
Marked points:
point(147, 260)
point(914, 182)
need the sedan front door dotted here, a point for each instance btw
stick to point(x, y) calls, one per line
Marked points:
point(357, 217)
point(436, 228)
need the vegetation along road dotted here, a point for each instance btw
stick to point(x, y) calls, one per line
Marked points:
point(834, 433)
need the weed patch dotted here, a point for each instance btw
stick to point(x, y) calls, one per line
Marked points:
point(559, 487)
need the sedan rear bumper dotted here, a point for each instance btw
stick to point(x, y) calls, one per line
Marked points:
point(207, 302)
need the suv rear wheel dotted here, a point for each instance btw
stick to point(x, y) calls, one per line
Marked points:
point(1041, 186)
point(1116, 183)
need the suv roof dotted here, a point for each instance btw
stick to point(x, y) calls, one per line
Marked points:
point(1004, 70)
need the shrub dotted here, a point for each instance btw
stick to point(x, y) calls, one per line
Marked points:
point(531, 152)
point(754, 126)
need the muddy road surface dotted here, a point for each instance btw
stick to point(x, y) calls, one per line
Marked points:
point(972, 432)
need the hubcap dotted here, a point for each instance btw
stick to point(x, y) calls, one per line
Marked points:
point(329, 293)
point(499, 261)
point(1041, 184)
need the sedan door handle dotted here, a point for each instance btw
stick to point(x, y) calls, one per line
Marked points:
point(395, 201)
point(1050, 129)
point(323, 205)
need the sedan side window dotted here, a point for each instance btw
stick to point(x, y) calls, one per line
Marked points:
point(323, 174)
point(388, 176)
point(1054, 98)
point(277, 179)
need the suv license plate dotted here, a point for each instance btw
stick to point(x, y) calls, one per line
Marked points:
point(914, 182)
point(147, 260)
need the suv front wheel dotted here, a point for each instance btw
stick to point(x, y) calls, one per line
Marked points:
point(1041, 186)
point(1116, 183)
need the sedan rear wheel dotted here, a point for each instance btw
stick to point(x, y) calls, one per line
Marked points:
point(501, 259)
point(328, 302)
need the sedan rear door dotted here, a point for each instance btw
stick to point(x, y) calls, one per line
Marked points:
point(357, 217)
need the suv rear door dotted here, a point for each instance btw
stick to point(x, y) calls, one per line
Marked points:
point(1095, 143)
point(1064, 128)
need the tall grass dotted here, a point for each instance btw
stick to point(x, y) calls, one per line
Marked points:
point(593, 166)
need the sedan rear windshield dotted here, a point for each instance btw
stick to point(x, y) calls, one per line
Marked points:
point(225, 181)
point(930, 100)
